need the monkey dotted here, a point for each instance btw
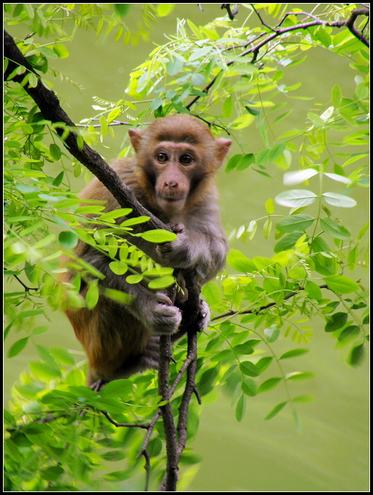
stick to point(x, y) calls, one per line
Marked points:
point(173, 175)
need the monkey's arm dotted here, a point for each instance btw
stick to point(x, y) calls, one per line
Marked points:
point(202, 249)
point(154, 309)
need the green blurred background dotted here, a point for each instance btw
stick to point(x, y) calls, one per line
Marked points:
point(329, 450)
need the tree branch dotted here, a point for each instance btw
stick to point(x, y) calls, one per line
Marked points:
point(51, 110)
point(254, 50)
point(166, 411)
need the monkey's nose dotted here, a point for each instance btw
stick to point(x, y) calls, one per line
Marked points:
point(171, 184)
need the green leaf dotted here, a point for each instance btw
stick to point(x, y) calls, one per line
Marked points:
point(263, 363)
point(272, 333)
point(349, 333)
point(248, 387)
point(295, 198)
point(356, 355)
point(52, 473)
point(299, 375)
point(58, 179)
point(113, 114)
point(248, 368)
point(112, 215)
point(295, 223)
point(117, 475)
point(298, 176)
point(269, 384)
point(207, 380)
point(118, 267)
point(269, 205)
point(44, 371)
point(68, 239)
point(240, 408)
point(134, 279)
point(336, 321)
point(114, 455)
point(325, 116)
point(134, 221)
point(339, 200)
point(62, 356)
point(293, 353)
point(242, 121)
point(174, 66)
point(162, 282)
point(118, 296)
point(17, 347)
point(287, 242)
point(334, 229)
point(278, 407)
point(338, 178)
point(158, 236)
point(240, 162)
point(117, 388)
point(303, 398)
point(92, 295)
point(121, 9)
point(313, 290)
point(164, 9)
point(237, 260)
point(61, 51)
point(341, 284)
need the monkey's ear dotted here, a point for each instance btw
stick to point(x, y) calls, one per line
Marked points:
point(135, 137)
point(222, 147)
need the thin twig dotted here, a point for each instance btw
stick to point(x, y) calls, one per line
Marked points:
point(145, 426)
point(261, 308)
point(27, 289)
point(147, 468)
point(254, 50)
point(112, 124)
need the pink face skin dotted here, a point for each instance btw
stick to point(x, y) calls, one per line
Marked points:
point(173, 164)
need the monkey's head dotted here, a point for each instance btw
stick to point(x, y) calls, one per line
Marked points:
point(176, 156)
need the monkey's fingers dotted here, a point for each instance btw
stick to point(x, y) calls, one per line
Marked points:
point(163, 299)
point(177, 228)
point(166, 320)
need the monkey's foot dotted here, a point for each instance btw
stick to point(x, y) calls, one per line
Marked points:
point(166, 317)
point(97, 385)
point(204, 315)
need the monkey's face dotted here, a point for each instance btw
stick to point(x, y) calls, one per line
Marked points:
point(173, 168)
point(176, 155)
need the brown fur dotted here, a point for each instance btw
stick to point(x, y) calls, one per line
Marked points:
point(118, 339)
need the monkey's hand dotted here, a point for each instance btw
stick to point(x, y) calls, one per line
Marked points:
point(204, 315)
point(160, 315)
point(177, 252)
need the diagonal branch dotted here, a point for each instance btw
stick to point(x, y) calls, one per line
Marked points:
point(49, 106)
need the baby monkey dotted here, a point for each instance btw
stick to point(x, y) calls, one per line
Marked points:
point(173, 175)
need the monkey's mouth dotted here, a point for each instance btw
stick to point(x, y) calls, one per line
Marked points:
point(171, 199)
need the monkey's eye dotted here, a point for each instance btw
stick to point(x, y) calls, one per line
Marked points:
point(162, 157)
point(186, 159)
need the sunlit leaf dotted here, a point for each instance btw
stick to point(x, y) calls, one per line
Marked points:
point(295, 198)
point(340, 200)
point(299, 176)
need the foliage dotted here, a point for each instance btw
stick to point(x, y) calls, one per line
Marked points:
point(60, 435)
